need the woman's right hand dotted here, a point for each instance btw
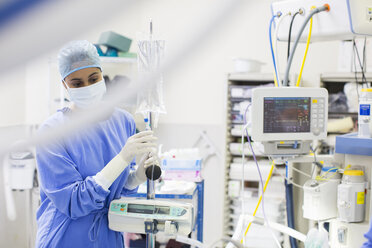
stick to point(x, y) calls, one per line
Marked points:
point(140, 143)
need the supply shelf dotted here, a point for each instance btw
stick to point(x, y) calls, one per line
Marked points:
point(354, 145)
point(239, 90)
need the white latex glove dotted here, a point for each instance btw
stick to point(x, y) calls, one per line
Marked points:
point(146, 161)
point(140, 143)
point(139, 176)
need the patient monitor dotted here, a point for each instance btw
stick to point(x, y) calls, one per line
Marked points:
point(287, 119)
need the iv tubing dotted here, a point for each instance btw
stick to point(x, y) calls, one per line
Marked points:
point(280, 20)
point(272, 50)
point(290, 60)
point(281, 228)
point(260, 176)
point(243, 179)
point(259, 200)
point(307, 48)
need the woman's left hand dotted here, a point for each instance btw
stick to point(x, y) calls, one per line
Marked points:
point(146, 161)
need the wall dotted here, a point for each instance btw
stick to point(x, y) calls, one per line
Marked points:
point(12, 97)
point(194, 92)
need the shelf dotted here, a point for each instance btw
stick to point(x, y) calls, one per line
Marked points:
point(253, 77)
point(237, 122)
point(242, 84)
point(240, 99)
point(343, 77)
point(105, 59)
point(343, 113)
point(352, 144)
point(337, 133)
point(118, 60)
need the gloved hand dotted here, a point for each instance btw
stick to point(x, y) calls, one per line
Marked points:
point(137, 177)
point(146, 161)
point(138, 144)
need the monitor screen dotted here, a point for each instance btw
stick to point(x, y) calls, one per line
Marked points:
point(148, 209)
point(286, 114)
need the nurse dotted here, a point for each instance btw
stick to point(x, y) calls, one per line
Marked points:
point(81, 174)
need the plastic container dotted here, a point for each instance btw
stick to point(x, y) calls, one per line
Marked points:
point(22, 168)
point(247, 65)
point(364, 117)
point(351, 199)
point(181, 164)
point(320, 195)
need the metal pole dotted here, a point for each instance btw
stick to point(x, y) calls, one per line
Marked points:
point(150, 237)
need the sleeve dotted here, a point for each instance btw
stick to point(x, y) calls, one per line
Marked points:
point(126, 192)
point(368, 236)
point(63, 184)
point(132, 131)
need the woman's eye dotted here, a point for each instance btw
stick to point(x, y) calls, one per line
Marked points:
point(76, 85)
point(93, 80)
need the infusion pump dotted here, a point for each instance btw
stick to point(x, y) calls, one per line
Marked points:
point(150, 216)
point(287, 119)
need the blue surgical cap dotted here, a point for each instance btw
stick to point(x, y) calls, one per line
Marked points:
point(77, 55)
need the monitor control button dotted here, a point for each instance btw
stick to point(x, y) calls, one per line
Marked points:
point(316, 131)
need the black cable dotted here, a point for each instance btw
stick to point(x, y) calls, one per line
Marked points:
point(364, 58)
point(290, 32)
point(356, 80)
point(356, 55)
point(360, 62)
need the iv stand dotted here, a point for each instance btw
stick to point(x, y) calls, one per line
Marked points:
point(153, 173)
point(150, 236)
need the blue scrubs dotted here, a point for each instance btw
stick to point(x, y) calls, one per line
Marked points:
point(73, 211)
point(368, 236)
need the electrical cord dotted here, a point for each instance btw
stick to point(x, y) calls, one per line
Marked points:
point(280, 20)
point(271, 48)
point(364, 58)
point(356, 78)
point(306, 50)
point(227, 239)
point(259, 201)
point(301, 172)
point(243, 174)
point(325, 7)
point(263, 187)
point(290, 33)
point(323, 178)
point(364, 79)
point(316, 163)
point(289, 180)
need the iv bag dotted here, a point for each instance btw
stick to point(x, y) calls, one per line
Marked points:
point(150, 57)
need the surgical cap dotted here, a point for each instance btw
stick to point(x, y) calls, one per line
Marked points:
point(77, 55)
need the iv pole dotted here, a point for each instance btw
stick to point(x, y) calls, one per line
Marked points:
point(150, 236)
point(153, 173)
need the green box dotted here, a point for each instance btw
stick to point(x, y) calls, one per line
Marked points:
point(115, 40)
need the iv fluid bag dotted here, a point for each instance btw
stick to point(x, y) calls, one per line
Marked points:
point(150, 99)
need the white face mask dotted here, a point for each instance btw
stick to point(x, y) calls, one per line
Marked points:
point(88, 96)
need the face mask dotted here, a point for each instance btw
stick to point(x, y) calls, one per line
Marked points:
point(88, 96)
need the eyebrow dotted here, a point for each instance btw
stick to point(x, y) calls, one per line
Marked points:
point(93, 74)
point(79, 79)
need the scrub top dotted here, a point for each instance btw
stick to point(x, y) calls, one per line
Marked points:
point(73, 211)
